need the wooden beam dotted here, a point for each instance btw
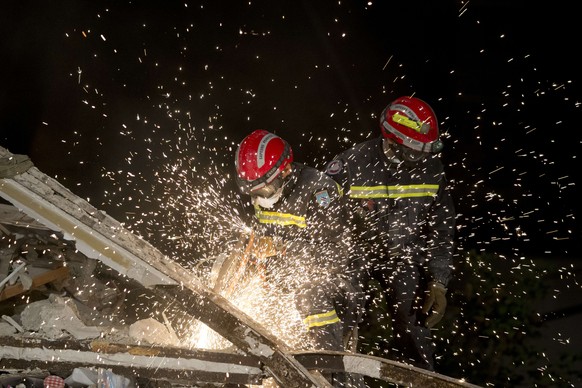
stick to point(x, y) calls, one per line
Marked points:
point(45, 277)
point(146, 362)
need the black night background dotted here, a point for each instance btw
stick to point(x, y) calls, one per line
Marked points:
point(139, 106)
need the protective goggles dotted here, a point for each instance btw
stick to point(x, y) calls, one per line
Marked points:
point(401, 152)
point(267, 190)
point(409, 154)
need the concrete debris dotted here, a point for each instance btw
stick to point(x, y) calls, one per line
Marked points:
point(153, 332)
point(7, 329)
point(14, 275)
point(83, 377)
point(14, 324)
point(82, 301)
point(56, 315)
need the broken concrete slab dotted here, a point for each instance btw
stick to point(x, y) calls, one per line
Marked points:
point(56, 315)
point(153, 332)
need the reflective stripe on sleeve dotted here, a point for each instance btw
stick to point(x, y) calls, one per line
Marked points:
point(322, 319)
point(266, 217)
point(396, 191)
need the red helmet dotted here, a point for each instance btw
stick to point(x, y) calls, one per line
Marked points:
point(260, 158)
point(411, 122)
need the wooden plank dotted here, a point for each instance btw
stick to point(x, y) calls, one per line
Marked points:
point(149, 362)
point(49, 276)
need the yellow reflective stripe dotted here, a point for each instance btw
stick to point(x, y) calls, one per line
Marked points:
point(407, 122)
point(340, 190)
point(266, 217)
point(322, 319)
point(397, 191)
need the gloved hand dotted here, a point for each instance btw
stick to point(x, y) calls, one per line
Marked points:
point(266, 246)
point(435, 303)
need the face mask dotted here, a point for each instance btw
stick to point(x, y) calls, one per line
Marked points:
point(268, 203)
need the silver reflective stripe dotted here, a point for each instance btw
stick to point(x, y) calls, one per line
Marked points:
point(261, 157)
point(408, 141)
point(396, 191)
point(266, 217)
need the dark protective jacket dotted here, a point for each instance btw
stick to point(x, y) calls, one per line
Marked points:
point(400, 211)
point(308, 220)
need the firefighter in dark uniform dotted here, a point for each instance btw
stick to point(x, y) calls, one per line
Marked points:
point(302, 234)
point(403, 219)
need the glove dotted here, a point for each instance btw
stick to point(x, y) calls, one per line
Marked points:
point(435, 301)
point(264, 247)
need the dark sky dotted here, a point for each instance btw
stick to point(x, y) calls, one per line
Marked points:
point(115, 97)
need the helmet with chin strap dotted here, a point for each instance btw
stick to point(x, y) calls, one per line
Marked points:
point(411, 122)
point(260, 158)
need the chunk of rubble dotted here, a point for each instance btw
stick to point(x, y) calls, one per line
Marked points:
point(153, 332)
point(56, 315)
point(6, 329)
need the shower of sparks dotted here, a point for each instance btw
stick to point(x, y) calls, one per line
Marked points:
point(266, 304)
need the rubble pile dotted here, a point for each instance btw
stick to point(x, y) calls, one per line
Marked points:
point(47, 276)
point(50, 291)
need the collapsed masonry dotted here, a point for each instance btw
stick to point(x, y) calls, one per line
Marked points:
point(65, 261)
